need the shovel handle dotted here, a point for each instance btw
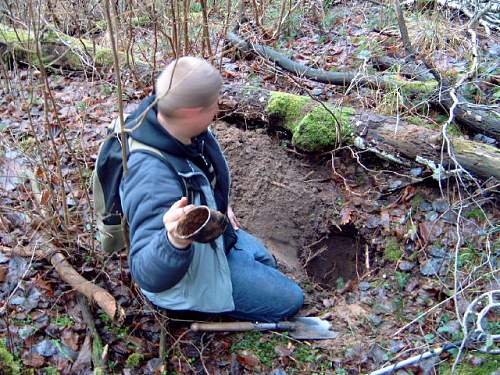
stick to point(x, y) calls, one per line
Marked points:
point(232, 326)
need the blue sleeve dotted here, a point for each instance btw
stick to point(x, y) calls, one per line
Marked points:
point(147, 192)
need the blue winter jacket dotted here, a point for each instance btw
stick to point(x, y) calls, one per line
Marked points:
point(149, 190)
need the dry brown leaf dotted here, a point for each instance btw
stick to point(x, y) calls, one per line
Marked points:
point(3, 272)
point(248, 359)
point(33, 360)
point(345, 215)
point(70, 339)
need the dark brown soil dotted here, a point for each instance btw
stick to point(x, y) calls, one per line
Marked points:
point(340, 257)
point(287, 201)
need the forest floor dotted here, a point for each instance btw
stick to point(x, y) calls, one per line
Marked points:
point(375, 254)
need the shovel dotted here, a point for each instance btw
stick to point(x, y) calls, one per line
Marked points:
point(303, 328)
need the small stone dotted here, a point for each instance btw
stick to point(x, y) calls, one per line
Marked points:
point(434, 267)
point(373, 221)
point(440, 205)
point(317, 91)
point(375, 320)
point(452, 328)
point(406, 266)
point(26, 332)
point(154, 365)
point(232, 67)
point(416, 171)
point(431, 216)
point(279, 371)
point(366, 299)
point(383, 307)
point(412, 285)
point(378, 355)
point(396, 346)
point(395, 184)
point(3, 258)
point(494, 50)
point(425, 206)
point(45, 348)
point(364, 286)
point(449, 217)
point(438, 252)
point(485, 139)
point(427, 366)
point(356, 353)
point(477, 361)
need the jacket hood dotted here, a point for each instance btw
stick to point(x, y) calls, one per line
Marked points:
point(151, 132)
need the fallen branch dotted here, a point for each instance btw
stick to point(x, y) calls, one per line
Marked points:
point(313, 129)
point(98, 351)
point(320, 75)
point(476, 119)
point(69, 275)
point(92, 291)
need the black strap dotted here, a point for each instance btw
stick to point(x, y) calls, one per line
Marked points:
point(189, 187)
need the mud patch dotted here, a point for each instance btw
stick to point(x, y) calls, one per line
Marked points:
point(336, 259)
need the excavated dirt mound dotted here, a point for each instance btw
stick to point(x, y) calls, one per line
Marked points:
point(287, 201)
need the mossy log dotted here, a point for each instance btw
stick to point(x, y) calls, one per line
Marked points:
point(313, 127)
point(61, 51)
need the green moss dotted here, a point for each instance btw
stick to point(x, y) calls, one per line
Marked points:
point(413, 87)
point(8, 35)
point(317, 130)
point(454, 130)
point(8, 365)
point(313, 127)
point(104, 56)
point(54, 48)
point(415, 120)
point(260, 345)
point(476, 213)
point(288, 106)
point(140, 21)
point(417, 200)
point(489, 366)
point(134, 360)
point(392, 251)
point(50, 371)
point(64, 321)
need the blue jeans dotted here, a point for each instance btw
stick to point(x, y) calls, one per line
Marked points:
point(260, 291)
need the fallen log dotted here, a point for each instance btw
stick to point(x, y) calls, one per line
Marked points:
point(69, 275)
point(313, 127)
point(62, 51)
point(320, 75)
point(478, 120)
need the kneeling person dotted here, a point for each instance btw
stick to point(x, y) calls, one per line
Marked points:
point(235, 274)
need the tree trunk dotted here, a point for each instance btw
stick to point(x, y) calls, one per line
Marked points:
point(314, 128)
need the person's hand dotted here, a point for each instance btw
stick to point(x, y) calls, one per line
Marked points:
point(171, 219)
point(232, 218)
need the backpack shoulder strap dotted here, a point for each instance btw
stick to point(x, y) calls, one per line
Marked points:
point(189, 188)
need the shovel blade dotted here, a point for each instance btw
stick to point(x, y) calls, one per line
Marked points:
point(312, 328)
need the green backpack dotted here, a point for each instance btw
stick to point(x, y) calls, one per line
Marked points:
point(106, 178)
